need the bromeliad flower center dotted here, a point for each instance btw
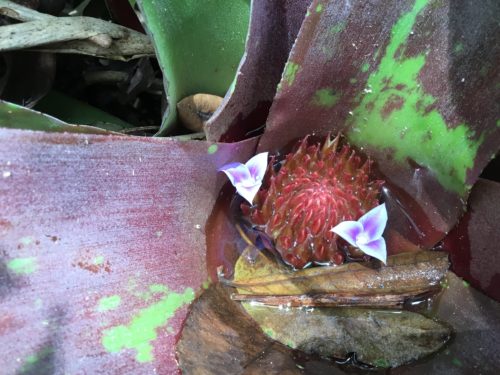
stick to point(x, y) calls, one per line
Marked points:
point(300, 199)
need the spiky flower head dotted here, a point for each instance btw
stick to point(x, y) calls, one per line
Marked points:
point(316, 188)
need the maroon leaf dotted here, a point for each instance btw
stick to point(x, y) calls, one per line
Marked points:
point(102, 247)
point(473, 243)
point(273, 28)
point(374, 69)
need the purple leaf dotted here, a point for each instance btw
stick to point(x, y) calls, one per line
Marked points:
point(384, 74)
point(273, 28)
point(96, 234)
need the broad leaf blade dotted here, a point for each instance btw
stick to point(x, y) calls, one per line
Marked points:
point(473, 242)
point(273, 28)
point(102, 247)
point(75, 111)
point(199, 45)
point(17, 117)
point(404, 80)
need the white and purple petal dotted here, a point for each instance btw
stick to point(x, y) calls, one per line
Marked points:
point(374, 222)
point(376, 249)
point(248, 192)
point(348, 230)
point(238, 174)
point(257, 166)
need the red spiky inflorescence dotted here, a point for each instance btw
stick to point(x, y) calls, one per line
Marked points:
point(316, 188)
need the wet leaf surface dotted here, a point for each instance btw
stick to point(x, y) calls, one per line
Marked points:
point(198, 44)
point(273, 28)
point(218, 337)
point(475, 320)
point(102, 247)
point(379, 338)
point(218, 334)
point(473, 243)
point(407, 272)
point(407, 88)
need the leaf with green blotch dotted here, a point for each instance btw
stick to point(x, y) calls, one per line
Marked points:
point(274, 25)
point(14, 116)
point(199, 45)
point(102, 247)
point(413, 83)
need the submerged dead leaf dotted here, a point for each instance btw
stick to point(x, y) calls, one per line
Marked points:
point(219, 338)
point(380, 338)
point(404, 273)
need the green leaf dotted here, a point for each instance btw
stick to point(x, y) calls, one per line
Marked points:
point(14, 116)
point(199, 45)
point(75, 111)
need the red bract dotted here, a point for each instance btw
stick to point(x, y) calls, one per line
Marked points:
point(316, 188)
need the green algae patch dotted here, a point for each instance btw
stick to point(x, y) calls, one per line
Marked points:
point(23, 266)
point(337, 28)
point(26, 241)
point(325, 97)
point(141, 331)
point(319, 8)
point(212, 149)
point(109, 303)
point(291, 70)
point(98, 260)
point(39, 363)
point(399, 115)
point(365, 67)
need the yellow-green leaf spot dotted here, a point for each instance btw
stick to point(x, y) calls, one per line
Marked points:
point(39, 362)
point(291, 70)
point(319, 8)
point(269, 332)
point(337, 28)
point(365, 67)
point(26, 241)
point(109, 303)
point(141, 331)
point(212, 149)
point(23, 265)
point(325, 97)
point(412, 125)
point(457, 362)
point(458, 48)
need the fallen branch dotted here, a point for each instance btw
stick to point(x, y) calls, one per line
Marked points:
point(82, 35)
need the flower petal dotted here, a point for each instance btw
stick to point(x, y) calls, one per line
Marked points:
point(376, 249)
point(348, 230)
point(374, 222)
point(248, 192)
point(257, 166)
point(238, 174)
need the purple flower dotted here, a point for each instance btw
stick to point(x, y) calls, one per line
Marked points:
point(366, 233)
point(247, 178)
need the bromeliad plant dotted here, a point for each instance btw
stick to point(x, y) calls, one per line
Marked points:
point(312, 200)
point(120, 220)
